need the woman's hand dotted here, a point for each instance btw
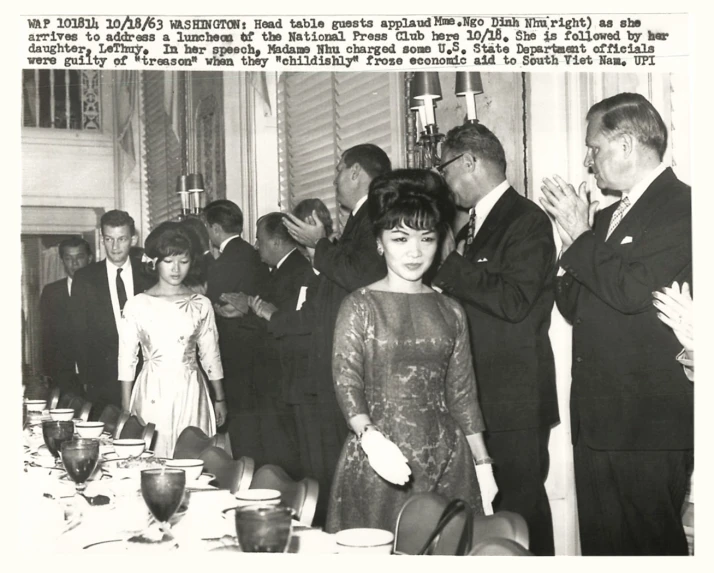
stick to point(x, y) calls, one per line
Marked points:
point(675, 308)
point(487, 485)
point(385, 457)
point(221, 412)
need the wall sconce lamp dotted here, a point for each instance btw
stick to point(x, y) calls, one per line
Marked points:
point(425, 90)
point(190, 188)
point(468, 84)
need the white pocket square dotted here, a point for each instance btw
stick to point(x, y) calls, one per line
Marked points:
point(484, 260)
point(626, 240)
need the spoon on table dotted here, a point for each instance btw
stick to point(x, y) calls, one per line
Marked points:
point(91, 500)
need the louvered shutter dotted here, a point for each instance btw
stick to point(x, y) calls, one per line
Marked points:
point(162, 152)
point(322, 114)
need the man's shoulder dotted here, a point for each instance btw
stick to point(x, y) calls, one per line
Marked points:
point(91, 271)
point(55, 288)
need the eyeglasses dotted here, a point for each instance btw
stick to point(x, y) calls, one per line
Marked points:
point(440, 168)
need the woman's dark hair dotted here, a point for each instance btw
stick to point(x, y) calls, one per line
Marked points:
point(305, 208)
point(199, 234)
point(169, 239)
point(416, 198)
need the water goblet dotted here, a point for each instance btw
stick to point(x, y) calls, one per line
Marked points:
point(80, 458)
point(264, 528)
point(163, 490)
point(55, 434)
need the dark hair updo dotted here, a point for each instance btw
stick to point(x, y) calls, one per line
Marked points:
point(170, 239)
point(416, 198)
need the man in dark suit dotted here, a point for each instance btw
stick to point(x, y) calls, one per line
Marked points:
point(503, 272)
point(57, 335)
point(290, 270)
point(99, 293)
point(350, 263)
point(631, 403)
point(238, 269)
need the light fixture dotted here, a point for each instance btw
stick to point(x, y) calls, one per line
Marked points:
point(469, 84)
point(194, 183)
point(426, 88)
point(182, 190)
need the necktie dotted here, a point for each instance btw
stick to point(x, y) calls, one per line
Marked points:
point(617, 215)
point(471, 227)
point(121, 290)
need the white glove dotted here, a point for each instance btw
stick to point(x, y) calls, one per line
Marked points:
point(385, 457)
point(487, 485)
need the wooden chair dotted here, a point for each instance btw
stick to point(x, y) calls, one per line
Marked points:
point(417, 520)
point(231, 474)
point(300, 495)
point(192, 441)
point(53, 400)
point(502, 524)
point(80, 406)
point(110, 416)
point(132, 426)
point(499, 546)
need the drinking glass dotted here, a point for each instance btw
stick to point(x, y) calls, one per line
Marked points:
point(162, 490)
point(264, 528)
point(55, 433)
point(80, 459)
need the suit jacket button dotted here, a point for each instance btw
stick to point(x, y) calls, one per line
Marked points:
point(579, 359)
point(578, 321)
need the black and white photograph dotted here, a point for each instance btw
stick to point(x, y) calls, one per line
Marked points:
point(366, 285)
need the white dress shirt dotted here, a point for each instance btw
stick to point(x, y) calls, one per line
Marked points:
point(485, 205)
point(69, 286)
point(128, 277)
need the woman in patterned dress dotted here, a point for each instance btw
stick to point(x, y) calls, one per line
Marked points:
point(168, 322)
point(403, 372)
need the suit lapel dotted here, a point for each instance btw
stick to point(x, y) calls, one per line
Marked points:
point(633, 222)
point(493, 220)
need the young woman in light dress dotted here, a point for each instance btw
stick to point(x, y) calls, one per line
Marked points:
point(169, 322)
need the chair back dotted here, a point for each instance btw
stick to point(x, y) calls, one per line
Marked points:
point(80, 406)
point(503, 525)
point(231, 474)
point(499, 546)
point(418, 518)
point(53, 400)
point(300, 495)
point(110, 416)
point(132, 426)
point(192, 441)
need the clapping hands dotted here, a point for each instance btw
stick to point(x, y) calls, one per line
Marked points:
point(675, 308)
point(261, 308)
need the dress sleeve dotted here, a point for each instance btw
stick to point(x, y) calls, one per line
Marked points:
point(461, 393)
point(128, 342)
point(348, 357)
point(208, 351)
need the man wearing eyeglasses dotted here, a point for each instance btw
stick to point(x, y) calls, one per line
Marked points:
point(502, 270)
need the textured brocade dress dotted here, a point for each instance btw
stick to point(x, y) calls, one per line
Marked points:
point(405, 360)
point(170, 391)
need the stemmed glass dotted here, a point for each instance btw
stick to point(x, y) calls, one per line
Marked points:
point(162, 490)
point(80, 459)
point(55, 433)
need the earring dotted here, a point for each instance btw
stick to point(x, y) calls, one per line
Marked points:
point(380, 250)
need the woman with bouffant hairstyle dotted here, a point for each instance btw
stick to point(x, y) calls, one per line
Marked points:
point(169, 322)
point(403, 372)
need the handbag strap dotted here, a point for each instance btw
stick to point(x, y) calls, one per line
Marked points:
point(453, 508)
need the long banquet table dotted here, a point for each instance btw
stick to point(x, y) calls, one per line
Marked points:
point(55, 519)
